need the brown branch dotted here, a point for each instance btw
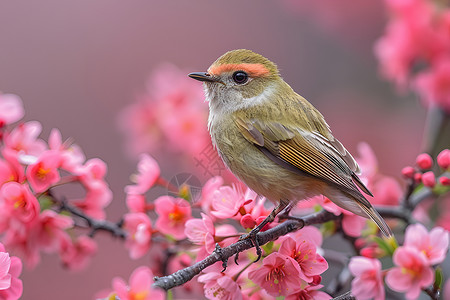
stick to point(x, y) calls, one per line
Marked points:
point(182, 276)
point(96, 225)
point(346, 296)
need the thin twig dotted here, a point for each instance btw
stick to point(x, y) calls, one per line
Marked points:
point(96, 225)
point(346, 296)
point(182, 276)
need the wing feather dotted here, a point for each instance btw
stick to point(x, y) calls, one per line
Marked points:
point(310, 153)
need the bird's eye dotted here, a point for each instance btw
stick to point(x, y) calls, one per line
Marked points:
point(240, 77)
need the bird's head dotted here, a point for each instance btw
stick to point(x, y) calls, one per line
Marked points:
point(238, 79)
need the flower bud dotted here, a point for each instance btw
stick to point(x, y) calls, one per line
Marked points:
point(443, 159)
point(316, 280)
point(444, 181)
point(424, 161)
point(247, 221)
point(408, 172)
point(418, 177)
point(429, 179)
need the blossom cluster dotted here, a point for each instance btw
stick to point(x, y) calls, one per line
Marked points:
point(292, 265)
point(170, 112)
point(413, 265)
point(415, 49)
point(31, 173)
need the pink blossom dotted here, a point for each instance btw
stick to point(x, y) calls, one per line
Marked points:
point(278, 276)
point(386, 191)
point(139, 229)
point(6, 172)
point(76, 254)
point(24, 139)
point(445, 181)
point(408, 172)
point(12, 169)
point(11, 287)
point(18, 202)
point(201, 232)
point(309, 262)
point(72, 157)
point(443, 159)
point(368, 282)
point(173, 214)
point(136, 203)
point(395, 52)
point(50, 230)
point(228, 201)
point(140, 286)
point(44, 173)
point(411, 274)
point(208, 190)
point(5, 277)
point(168, 115)
point(434, 85)
point(11, 109)
point(310, 234)
point(428, 179)
point(148, 174)
point(98, 196)
point(310, 292)
point(219, 285)
point(433, 244)
point(424, 161)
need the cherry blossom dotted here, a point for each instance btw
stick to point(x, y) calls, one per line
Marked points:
point(278, 276)
point(309, 262)
point(139, 286)
point(434, 244)
point(11, 109)
point(368, 281)
point(173, 214)
point(139, 229)
point(411, 274)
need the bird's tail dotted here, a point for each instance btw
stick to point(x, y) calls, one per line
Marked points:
point(375, 216)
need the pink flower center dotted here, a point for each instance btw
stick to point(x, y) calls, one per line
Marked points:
point(276, 275)
point(176, 215)
point(142, 295)
point(19, 202)
point(42, 173)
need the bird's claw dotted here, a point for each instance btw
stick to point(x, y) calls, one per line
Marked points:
point(218, 250)
point(252, 235)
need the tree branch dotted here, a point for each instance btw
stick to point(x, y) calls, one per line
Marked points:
point(182, 276)
point(346, 296)
point(103, 225)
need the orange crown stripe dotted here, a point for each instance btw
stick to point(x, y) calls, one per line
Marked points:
point(254, 70)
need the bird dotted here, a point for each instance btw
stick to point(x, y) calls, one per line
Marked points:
point(275, 141)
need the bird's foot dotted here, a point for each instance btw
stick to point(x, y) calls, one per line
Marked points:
point(252, 235)
point(218, 251)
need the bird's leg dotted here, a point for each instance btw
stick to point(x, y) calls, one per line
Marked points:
point(284, 215)
point(252, 234)
point(218, 250)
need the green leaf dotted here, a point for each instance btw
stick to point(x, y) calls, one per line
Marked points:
point(385, 244)
point(45, 202)
point(268, 247)
point(439, 278)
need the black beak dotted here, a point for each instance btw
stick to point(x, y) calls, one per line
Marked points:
point(203, 76)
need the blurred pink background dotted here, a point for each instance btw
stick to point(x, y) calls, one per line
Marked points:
point(77, 64)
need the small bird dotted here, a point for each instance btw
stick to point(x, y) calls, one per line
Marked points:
point(275, 141)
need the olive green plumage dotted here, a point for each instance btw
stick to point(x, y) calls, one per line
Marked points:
point(274, 140)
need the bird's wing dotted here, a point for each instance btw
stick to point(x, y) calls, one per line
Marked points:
point(305, 152)
point(312, 154)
